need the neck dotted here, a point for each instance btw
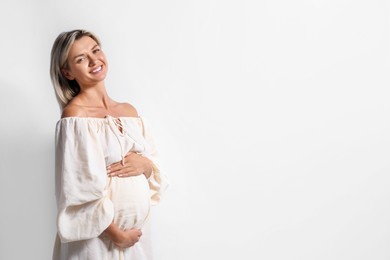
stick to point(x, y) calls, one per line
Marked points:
point(95, 97)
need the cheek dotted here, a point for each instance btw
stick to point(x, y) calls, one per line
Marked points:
point(79, 69)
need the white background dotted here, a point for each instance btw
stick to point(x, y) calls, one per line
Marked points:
point(271, 118)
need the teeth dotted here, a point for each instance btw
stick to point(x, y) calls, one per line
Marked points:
point(98, 69)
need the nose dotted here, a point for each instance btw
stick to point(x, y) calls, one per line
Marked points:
point(92, 59)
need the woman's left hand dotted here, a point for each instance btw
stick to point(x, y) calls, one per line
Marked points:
point(132, 165)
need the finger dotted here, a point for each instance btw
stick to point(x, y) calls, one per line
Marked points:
point(112, 168)
point(131, 173)
point(111, 165)
point(118, 172)
point(113, 171)
point(128, 174)
point(119, 169)
point(117, 165)
point(123, 173)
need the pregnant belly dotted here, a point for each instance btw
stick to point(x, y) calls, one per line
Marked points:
point(131, 199)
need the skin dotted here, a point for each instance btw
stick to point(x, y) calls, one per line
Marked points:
point(87, 65)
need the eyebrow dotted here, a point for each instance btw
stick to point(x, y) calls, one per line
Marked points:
point(96, 45)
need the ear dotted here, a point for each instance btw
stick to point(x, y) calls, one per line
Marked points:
point(66, 73)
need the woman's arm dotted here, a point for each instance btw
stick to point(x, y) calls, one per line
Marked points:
point(84, 207)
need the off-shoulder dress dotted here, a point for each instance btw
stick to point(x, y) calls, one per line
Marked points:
point(88, 201)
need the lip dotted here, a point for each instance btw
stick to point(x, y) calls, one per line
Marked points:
point(97, 69)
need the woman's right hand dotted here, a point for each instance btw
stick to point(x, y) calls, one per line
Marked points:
point(123, 238)
point(133, 164)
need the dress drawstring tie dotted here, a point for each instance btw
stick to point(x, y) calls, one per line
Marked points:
point(117, 128)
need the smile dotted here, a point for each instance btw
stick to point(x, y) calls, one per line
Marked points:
point(97, 69)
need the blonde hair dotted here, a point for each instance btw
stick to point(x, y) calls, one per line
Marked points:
point(65, 89)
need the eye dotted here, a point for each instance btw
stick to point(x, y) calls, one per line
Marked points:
point(79, 60)
point(96, 50)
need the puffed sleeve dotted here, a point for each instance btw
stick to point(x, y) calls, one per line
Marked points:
point(158, 181)
point(84, 210)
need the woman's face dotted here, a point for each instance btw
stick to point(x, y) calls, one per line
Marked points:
point(86, 62)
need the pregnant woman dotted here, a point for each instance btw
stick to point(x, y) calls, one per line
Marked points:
point(107, 174)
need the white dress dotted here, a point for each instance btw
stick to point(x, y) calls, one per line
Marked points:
point(88, 201)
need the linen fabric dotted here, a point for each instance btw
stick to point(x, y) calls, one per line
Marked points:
point(88, 201)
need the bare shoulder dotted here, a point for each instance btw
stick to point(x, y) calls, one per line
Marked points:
point(128, 110)
point(72, 110)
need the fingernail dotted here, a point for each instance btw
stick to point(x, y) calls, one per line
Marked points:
point(119, 175)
